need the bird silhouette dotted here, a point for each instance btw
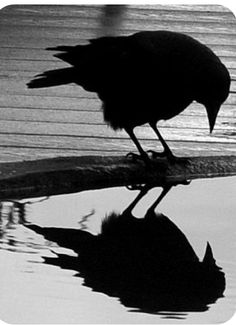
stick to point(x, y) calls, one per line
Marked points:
point(148, 263)
point(144, 78)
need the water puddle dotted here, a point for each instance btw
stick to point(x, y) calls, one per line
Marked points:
point(121, 255)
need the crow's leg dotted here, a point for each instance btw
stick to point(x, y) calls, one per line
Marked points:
point(166, 188)
point(143, 191)
point(167, 152)
point(143, 154)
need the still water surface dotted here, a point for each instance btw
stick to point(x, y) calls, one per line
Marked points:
point(33, 291)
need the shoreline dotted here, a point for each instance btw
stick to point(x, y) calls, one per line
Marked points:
point(63, 175)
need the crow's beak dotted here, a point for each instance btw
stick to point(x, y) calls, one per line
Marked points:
point(208, 257)
point(212, 112)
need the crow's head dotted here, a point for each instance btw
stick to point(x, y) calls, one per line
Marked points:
point(214, 91)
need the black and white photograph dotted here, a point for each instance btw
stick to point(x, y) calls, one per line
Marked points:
point(117, 163)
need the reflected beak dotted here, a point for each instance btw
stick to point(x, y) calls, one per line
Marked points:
point(208, 257)
point(212, 112)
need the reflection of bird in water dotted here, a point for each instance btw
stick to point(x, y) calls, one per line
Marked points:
point(143, 78)
point(148, 263)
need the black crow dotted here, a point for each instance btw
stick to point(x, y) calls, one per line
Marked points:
point(143, 78)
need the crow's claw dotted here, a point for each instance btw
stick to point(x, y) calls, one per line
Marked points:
point(155, 154)
point(177, 181)
point(135, 187)
point(134, 156)
point(169, 156)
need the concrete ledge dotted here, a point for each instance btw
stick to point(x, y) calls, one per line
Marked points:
point(73, 174)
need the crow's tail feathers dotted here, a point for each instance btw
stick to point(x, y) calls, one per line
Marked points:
point(53, 78)
point(69, 238)
point(64, 48)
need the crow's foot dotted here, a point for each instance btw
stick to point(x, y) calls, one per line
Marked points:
point(134, 157)
point(138, 187)
point(176, 181)
point(169, 156)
